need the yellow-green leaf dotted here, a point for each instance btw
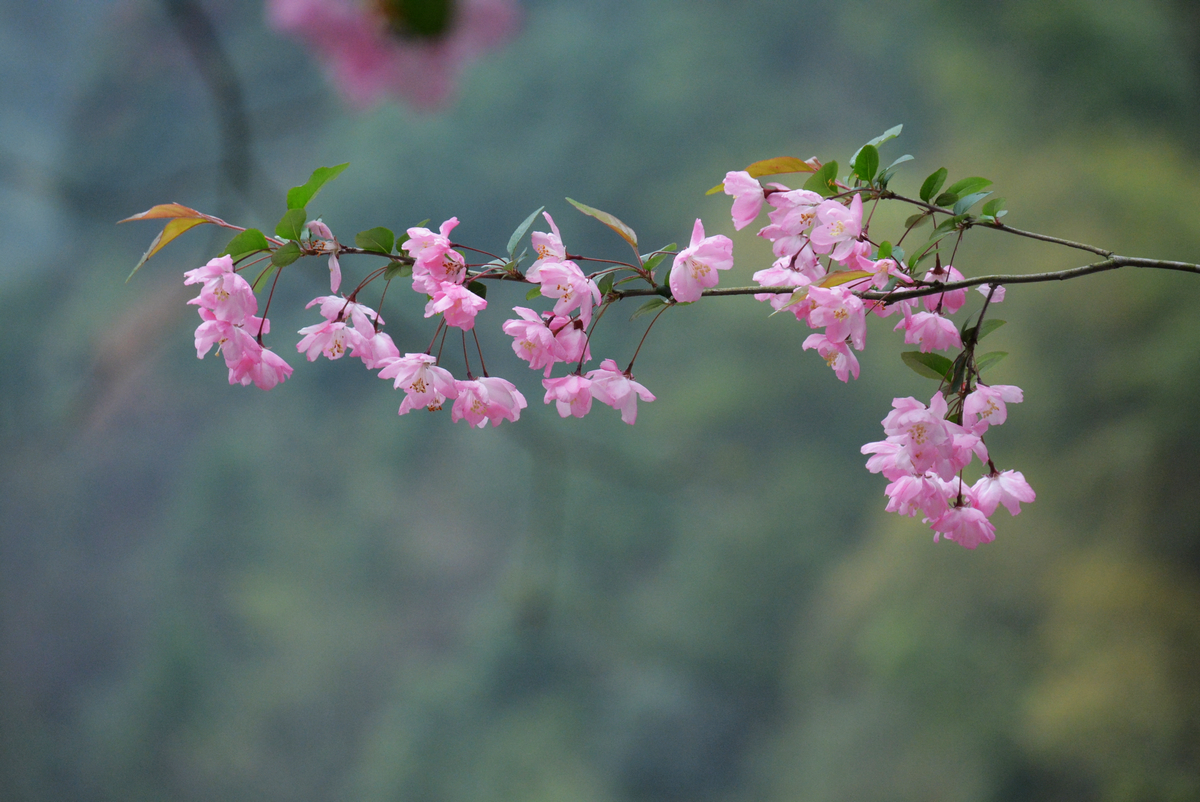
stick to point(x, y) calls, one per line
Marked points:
point(834, 279)
point(775, 166)
point(167, 210)
point(609, 220)
point(170, 231)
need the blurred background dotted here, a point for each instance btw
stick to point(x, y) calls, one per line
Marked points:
point(211, 592)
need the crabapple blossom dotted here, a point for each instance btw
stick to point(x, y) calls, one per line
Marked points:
point(434, 261)
point(996, 293)
point(1007, 487)
point(986, 405)
point(487, 399)
point(839, 228)
point(533, 341)
point(457, 303)
point(617, 389)
point(840, 311)
point(929, 331)
point(333, 337)
point(747, 197)
point(836, 353)
point(572, 394)
point(548, 246)
point(965, 525)
point(565, 282)
point(424, 384)
point(948, 302)
point(694, 268)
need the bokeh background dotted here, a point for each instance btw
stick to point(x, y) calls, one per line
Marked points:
point(210, 592)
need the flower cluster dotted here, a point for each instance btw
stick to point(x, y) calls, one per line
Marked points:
point(227, 307)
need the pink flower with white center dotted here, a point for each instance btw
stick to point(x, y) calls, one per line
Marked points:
point(375, 49)
point(987, 405)
point(841, 313)
point(434, 261)
point(966, 526)
point(780, 274)
point(948, 302)
point(572, 394)
point(747, 197)
point(925, 434)
point(459, 305)
point(1008, 488)
point(572, 339)
point(226, 294)
point(567, 283)
point(929, 330)
point(695, 267)
point(549, 248)
point(839, 228)
point(335, 307)
point(376, 350)
point(986, 289)
point(794, 214)
point(617, 389)
point(425, 384)
point(333, 337)
point(488, 399)
point(883, 271)
point(836, 353)
point(533, 341)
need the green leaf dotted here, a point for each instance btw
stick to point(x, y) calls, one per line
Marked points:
point(536, 292)
point(994, 207)
point(945, 199)
point(985, 361)
point(842, 277)
point(606, 283)
point(988, 327)
point(885, 251)
point(963, 204)
point(917, 220)
point(261, 281)
point(931, 366)
point(968, 186)
point(247, 242)
point(656, 259)
point(478, 287)
point(520, 232)
point(654, 303)
point(933, 183)
point(798, 295)
point(907, 157)
point(376, 240)
point(890, 133)
point(298, 197)
point(397, 270)
point(285, 254)
point(897, 255)
point(609, 220)
point(867, 163)
point(291, 224)
point(822, 181)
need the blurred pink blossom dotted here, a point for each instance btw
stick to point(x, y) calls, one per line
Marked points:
point(370, 56)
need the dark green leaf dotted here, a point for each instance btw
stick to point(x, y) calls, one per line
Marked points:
point(867, 163)
point(822, 181)
point(931, 366)
point(656, 259)
point(945, 199)
point(291, 224)
point(536, 292)
point(960, 373)
point(898, 255)
point(298, 197)
point(478, 287)
point(375, 240)
point(890, 133)
point(985, 361)
point(397, 270)
point(648, 307)
point(885, 251)
point(520, 232)
point(907, 157)
point(261, 281)
point(965, 203)
point(933, 183)
point(968, 186)
point(400, 240)
point(917, 220)
point(988, 327)
point(247, 242)
point(609, 220)
point(606, 283)
point(285, 254)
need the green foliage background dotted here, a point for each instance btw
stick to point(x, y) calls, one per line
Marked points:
point(216, 593)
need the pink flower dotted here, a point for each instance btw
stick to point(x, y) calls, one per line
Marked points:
point(533, 341)
point(612, 386)
point(434, 262)
point(424, 384)
point(226, 294)
point(567, 283)
point(929, 330)
point(373, 52)
point(488, 399)
point(747, 197)
point(333, 337)
point(841, 313)
point(572, 339)
point(966, 526)
point(986, 405)
point(836, 353)
point(549, 248)
point(696, 266)
point(335, 273)
point(1008, 488)
point(986, 289)
point(572, 394)
point(839, 227)
point(375, 351)
point(948, 302)
point(459, 305)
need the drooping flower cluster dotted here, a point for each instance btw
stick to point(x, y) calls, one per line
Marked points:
point(227, 307)
point(380, 48)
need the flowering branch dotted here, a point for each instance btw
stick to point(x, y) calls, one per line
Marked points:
point(829, 274)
